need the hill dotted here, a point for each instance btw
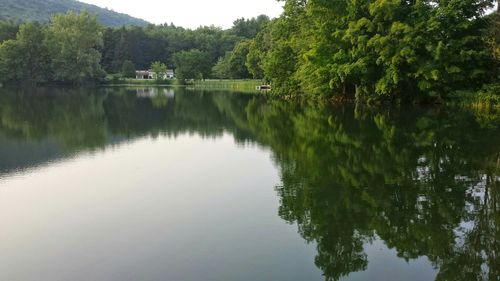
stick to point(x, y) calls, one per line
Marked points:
point(41, 11)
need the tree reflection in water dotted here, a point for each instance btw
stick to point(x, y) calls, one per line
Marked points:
point(425, 181)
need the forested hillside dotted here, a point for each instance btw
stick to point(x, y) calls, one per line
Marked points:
point(42, 10)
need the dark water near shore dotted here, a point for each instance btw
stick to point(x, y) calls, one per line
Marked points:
point(174, 184)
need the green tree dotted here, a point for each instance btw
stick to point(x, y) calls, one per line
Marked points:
point(494, 36)
point(222, 69)
point(8, 30)
point(128, 69)
point(237, 60)
point(193, 64)
point(24, 59)
point(248, 28)
point(257, 51)
point(159, 70)
point(74, 41)
point(233, 64)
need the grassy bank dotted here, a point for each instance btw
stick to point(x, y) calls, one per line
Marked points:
point(117, 80)
point(236, 85)
point(233, 85)
point(487, 99)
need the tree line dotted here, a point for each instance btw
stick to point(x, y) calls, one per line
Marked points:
point(74, 48)
point(67, 50)
point(362, 50)
point(378, 49)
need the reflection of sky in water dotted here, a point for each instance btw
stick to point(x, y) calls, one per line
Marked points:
point(165, 209)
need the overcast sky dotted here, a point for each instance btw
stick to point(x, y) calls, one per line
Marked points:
point(192, 13)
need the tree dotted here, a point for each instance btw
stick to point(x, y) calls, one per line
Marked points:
point(257, 51)
point(128, 69)
point(248, 28)
point(193, 64)
point(494, 35)
point(232, 65)
point(237, 60)
point(222, 69)
point(159, 70)
point(24, 59)
point(8, 30)
point(74, 41)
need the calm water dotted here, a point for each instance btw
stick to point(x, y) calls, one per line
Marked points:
point(162, 184)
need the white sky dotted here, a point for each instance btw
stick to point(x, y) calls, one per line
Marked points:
point(192, 13)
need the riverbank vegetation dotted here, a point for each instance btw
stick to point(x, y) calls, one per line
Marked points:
point(368, 51)
point(248, 85)
point(385, 49)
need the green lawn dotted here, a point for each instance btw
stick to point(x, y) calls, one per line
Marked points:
point(237, 85)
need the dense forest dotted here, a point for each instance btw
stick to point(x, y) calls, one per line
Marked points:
point(346, 50)
point(42, 10)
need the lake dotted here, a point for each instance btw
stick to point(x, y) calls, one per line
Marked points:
point(177, 184)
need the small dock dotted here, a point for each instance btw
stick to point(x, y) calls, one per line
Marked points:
point(263, 88)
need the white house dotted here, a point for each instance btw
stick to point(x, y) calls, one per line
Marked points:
point(148, 74)
point(170, 73)
point(143, 74)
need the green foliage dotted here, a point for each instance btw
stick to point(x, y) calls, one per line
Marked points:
point(8, 30)
point(257, 51)
point(249, 28)
point(273, 53)
point(222, 69)
point(493, 38)
point(73, 42)
point(160, 42)
point(142, 46)
point(193, 64)
point(232, 65)
point(42, 10)
point(116, 48)
point(488, 98)
point(384, 49)
point(24, 59)
point(128, 69)
point(237, 67)
point(67, 50)
point(159, 70)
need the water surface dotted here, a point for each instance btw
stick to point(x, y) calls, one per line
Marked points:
point(174, 184)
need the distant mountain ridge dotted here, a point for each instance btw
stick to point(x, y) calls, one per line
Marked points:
point(42, 10)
